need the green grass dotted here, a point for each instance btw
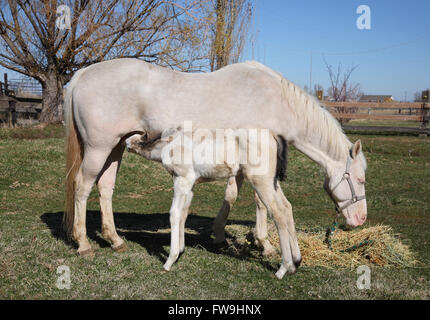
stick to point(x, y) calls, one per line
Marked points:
point(32, 247)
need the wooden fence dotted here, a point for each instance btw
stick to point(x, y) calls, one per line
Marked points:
point(18, 102)
point(416, 112)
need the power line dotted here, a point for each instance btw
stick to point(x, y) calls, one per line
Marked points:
point(365, 51)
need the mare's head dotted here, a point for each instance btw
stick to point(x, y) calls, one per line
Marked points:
point(345, 185)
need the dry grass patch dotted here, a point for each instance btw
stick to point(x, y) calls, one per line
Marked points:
point(386, 250)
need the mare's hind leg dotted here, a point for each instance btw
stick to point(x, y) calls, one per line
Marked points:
point(261, 228)
point(106, 185)
point(233, 187)
point(263, 185)
point(92, 164)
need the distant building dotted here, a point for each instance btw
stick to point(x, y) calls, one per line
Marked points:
point(376, 98)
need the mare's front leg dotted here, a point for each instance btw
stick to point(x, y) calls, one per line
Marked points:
point(263, 185)
point(261, 228)
point(181, 198)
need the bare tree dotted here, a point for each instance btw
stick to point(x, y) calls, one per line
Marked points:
point(162, 32)
point(417, 96)
point(342, 88)
point(229, 31)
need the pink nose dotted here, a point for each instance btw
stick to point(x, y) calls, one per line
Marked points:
point(360, 219)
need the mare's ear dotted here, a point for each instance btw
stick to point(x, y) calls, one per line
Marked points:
point(356, 149)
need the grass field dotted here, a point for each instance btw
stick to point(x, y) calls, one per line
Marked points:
point(32, 170)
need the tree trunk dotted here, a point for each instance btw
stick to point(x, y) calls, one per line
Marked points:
point(218, 45)
point(52, 103)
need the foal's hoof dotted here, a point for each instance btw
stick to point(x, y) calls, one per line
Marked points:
point(86, 253)
point(121, 248)
point(267, 253)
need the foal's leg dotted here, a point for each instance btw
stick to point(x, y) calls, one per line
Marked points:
point(182, 190)
point(105, 185)
point(261, 227)
point(275, 206)
point(90, 168)
point(232, 190)
point(184, 215)
point(233, 187)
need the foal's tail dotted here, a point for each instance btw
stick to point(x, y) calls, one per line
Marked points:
point(281, 160)
point(74, 156)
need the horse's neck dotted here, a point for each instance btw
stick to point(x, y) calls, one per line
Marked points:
point(318, 153)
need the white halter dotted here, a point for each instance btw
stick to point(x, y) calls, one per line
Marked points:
point(347, 177)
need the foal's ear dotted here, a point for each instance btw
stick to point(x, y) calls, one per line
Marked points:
point(356, 149)
point(144, 137)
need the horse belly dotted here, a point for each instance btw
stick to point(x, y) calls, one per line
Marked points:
point(214, 172)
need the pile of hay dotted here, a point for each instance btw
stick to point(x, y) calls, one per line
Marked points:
point(386, 249)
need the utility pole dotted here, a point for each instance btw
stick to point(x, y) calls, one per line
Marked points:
point(310, 76)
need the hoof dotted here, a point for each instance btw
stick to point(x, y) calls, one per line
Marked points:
point(298, 262)
point(121, 248)
point(167, 267)
point(269, 253)
point(219, 240)
point(280, 274)
point(285, 270)
point(86, 253)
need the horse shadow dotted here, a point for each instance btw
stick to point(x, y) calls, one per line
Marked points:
point(152, 232)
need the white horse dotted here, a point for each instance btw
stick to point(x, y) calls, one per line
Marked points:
point(213, 159)
point(110, 101)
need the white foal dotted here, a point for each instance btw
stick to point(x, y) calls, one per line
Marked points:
point(192, 159)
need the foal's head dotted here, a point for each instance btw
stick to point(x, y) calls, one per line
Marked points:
point(151, 144)
point(345, 185)
point(145, 145)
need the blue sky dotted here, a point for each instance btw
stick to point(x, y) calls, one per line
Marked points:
point(287, 31)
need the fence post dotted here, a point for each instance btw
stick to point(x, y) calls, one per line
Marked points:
point(6, 85)
point(12, 113)
point(425, 114)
